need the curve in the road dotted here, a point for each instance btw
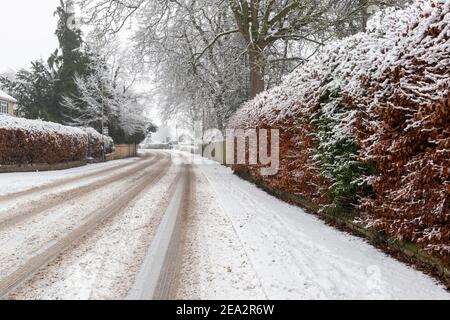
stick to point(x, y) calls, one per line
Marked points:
point(63, 181)
point(94, 220)
point(35, 208)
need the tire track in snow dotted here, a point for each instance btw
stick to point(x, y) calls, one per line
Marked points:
point(23, 240)
point(104, 265)
point(244, 248)
point(63, 181)
point(37, 207)
point(158, 276)
point(95, 218)
point(215, 265)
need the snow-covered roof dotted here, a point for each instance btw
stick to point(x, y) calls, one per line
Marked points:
point(5, 96)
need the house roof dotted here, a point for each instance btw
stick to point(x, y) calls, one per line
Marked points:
point(5, 96)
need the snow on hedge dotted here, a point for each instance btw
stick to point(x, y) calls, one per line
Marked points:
point(343, 64)
point(40, 127)
point(96, 143)
point(24, 141)
point(368, 118)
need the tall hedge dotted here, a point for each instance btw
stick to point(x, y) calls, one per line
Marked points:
point(24, 142)
point(406, 132)
point(365, 125)
point(96, 143)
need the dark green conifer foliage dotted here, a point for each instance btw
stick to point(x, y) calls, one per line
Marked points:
point(72, 58)
point(338, 156)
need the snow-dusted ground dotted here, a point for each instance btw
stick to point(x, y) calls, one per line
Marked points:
point(23, 240)
point(248, 244)
point(240, 243)
point(105, 264)
point(215, 264)
point(89, 269)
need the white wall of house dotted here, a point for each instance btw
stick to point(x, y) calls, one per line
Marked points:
point(7, 103)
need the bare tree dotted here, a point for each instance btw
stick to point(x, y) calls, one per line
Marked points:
point(205, 53)
point(103, 99)
point(263, 23)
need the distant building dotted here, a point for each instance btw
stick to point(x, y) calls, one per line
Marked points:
point(7, 103)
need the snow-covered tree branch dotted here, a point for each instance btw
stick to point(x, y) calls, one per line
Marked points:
point(103, 98)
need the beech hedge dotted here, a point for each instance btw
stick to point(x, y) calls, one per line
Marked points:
point(365, 126)
point(24, 142)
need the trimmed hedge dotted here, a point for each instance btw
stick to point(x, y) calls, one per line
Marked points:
point(33, 142)
point(96, 140)
point(25, 142)
point(365, 127)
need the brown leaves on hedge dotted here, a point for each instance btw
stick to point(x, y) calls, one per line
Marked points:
point(397, 79)
point(19, 146)
point(409, 140)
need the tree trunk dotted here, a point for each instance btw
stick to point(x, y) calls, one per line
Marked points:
point(257, 71)
point(364, 8)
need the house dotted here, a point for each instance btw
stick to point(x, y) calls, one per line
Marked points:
point(7, 103)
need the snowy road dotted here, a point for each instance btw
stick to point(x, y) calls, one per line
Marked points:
point(88, 233)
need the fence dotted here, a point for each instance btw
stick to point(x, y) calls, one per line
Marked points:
point(124, 151)
point(216, 151)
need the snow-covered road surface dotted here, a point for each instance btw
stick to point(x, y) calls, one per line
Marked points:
point(244, 243)
point(86, 233)
point(48, 234)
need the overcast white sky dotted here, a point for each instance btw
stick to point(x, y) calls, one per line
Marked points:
point(27, 30)
point(27, 33)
